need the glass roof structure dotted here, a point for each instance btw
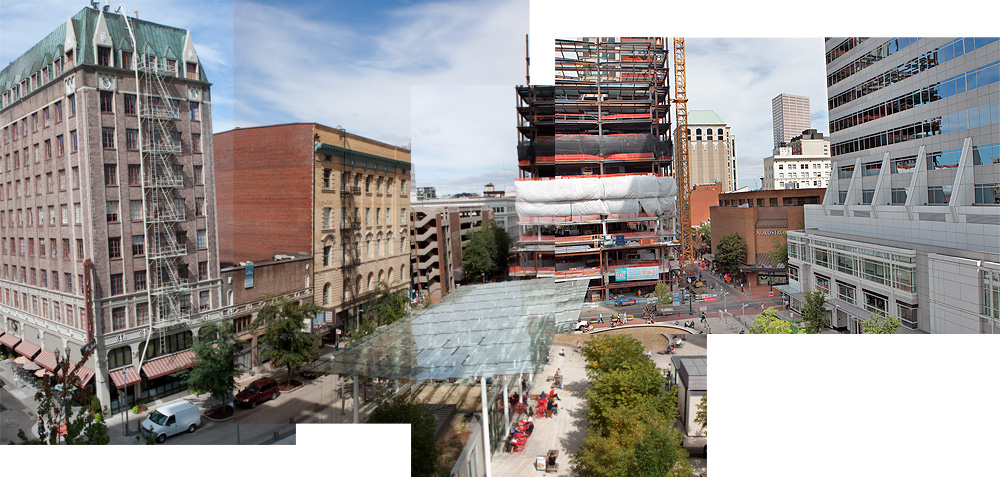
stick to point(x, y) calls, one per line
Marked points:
point(476, 331)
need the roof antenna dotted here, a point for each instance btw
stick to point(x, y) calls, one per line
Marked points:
point(94, 4)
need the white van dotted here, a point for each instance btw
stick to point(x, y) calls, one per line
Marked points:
point(171, 419)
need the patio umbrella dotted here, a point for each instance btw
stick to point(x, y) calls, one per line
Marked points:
point(32, 367)
point(41, 373)
point(21, 360)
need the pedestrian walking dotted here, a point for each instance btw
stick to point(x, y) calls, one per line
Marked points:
point(600, 317)
point(41, 429)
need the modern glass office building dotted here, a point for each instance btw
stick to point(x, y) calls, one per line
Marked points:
point(910, 225)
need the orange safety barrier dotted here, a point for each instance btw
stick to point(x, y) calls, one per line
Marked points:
point(538, 238)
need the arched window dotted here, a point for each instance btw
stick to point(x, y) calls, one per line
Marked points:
point(388, 276)
point(401, 272)
point(326, 294)
point(697, 133)
point(370, 277)
point(388, 244)
point(378, 244)
point(357, 286)
point(720, 133)
point(368, 246)
point(347, 287)
point(379, 277)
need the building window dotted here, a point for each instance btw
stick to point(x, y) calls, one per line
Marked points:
point(938, 195)
point(368, 183)
point(114, 247)
point(326, 294)
point(110, 174)
point(135, 210)
point(991, 293)
point(368, 216)
point(199, 206)
point(199, 177)
point(142, 309)
point(195, 115)
point(898, 196)
point(191, 70)
point(327, 178)
point(326, 217)
point(107, 102)
point(988, 194)
point(103, 56)
point(138, 245)
point(875, 302)
point(108, 138)
point(117, 285)
point(126, 60)
point(111, 208)
point(793, 273)
point(140, 280)
point(132, 139)
point(79, 249)
point(202, 270)
point(202, 239)
point(867, 195)
point(134, 173)
point(130, 101)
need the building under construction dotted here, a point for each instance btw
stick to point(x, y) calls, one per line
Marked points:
point(596, 196)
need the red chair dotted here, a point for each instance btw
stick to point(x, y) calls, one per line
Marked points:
point(540, 411)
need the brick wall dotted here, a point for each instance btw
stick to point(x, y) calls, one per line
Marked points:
point(265, 200)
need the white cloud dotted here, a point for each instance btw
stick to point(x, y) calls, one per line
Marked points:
point(294, 68)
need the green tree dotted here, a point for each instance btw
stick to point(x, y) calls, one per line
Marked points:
point(779, 252)
point(730, 252)
point(390, 306)
point(286, 339)
point(608, 353)
point(702, 416)
point(479, 255)
point(704, 231)
point(879, 324)
point(501, 255)
point(663, 294)
point(83, 426)
point(404, 409)
point(769, 323)
point(214, 370)
point(814, 311)
point(639, 442)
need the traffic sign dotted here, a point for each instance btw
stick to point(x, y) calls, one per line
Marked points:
point(770, 294)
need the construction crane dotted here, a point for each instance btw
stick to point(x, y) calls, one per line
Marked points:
point(683, 171)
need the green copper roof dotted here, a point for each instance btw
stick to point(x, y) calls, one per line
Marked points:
point(152, 38)
point(704, 117)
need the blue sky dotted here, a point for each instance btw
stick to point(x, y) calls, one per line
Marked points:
point(438, 76)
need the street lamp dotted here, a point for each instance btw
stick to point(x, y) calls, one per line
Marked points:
point(62, 362)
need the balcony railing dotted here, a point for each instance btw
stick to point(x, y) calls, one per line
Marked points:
point(350, 191)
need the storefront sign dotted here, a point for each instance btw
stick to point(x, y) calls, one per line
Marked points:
point(636, 273)
point(771, 232)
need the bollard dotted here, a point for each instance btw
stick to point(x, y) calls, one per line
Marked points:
point(275, 435)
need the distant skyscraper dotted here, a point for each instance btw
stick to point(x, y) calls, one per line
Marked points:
point(790, 116)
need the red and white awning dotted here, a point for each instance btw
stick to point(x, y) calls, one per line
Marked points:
point(28, 349)
point(133, 376)
point(168, 364)
point(9, 340)
point(47, 360)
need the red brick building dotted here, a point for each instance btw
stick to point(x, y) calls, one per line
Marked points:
point(761, 219)
point(308, 188)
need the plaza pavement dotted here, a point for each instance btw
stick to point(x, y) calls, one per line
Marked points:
point(565, 432)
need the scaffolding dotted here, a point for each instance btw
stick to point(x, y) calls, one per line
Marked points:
point(595, 154)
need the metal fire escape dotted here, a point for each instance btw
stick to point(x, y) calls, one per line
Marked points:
point(162, 179)
point(350, 229)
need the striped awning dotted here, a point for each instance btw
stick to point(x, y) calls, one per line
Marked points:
point(133, 376)
point(28, 349)
point(168, 364)
point(84, 373)
point(9, 340)
point(47, 360)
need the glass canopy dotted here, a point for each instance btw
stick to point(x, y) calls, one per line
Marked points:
point(477, 330)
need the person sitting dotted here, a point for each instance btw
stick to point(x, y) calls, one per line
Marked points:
point(552, 395)
point(554, 407)
point(552, 459)
point(531, 428)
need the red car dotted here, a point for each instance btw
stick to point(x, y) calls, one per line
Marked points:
point(258, 391)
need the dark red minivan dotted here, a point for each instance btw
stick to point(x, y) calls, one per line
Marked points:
point(258, 391)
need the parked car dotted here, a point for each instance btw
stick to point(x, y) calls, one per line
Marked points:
point(171, 419)
point(257, 392)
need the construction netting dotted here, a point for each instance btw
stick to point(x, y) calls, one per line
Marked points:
point(604, 195)
point(597, 146)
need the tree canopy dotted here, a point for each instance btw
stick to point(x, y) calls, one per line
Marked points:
point(779, 252)
point(705, 231)
point(286, 339)
point(487, 253)
point(814, 311)
point(663, 294)
point(878, 324)
point(769, 323)
point(214, 370)
point(631, 416)
point(84, 426)
point(730, 252)
point(702, 416)
point(404, 409)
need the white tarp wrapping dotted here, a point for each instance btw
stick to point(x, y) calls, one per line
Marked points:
point(595, 195)
point(561, 190)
